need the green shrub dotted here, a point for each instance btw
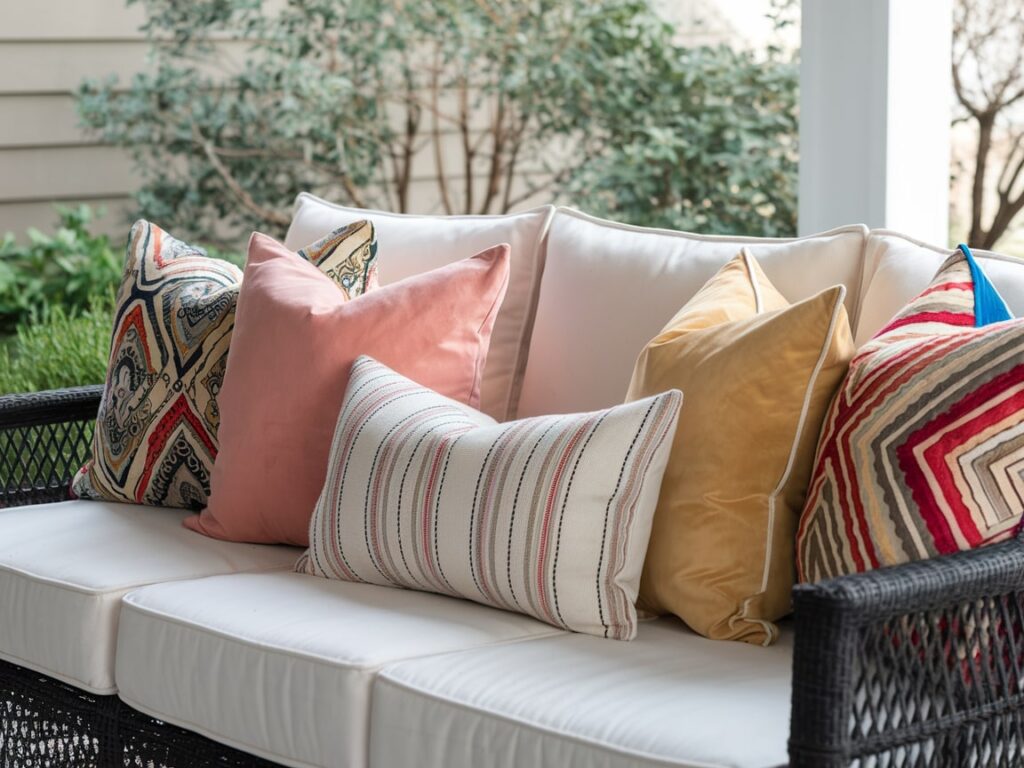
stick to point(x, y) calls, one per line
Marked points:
point(593, 102)
point(61, 348)
point(66, 269)
point(714, 150)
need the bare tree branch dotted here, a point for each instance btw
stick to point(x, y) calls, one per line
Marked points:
point(267, 214)
point(468, 151)
point(988, 85)
point(435, 133)
point(498, 138)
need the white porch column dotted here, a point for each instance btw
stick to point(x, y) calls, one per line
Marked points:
point(875, 109)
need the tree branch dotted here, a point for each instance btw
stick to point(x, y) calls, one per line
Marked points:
point(498, 139)
point(435, 133)
point(468, 152)
point(267, 214)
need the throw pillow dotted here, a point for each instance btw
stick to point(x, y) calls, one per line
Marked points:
point(923, 450)
point(418, 243)
point(546, 516)
point(758, 374)
point(295, 340)
point(157, 428)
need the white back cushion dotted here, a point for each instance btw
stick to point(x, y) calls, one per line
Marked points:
point(609, 288)
point(409, 245)
point(897, 268)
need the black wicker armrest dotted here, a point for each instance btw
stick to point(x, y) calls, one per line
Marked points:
point(44, 438)
point(916, 665)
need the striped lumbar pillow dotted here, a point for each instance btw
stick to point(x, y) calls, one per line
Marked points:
point(922, 453)
point(547, 516)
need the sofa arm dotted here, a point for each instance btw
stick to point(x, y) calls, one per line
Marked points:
point(918, 664)
point(44, 438)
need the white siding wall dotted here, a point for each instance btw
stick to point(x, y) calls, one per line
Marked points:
point(46, 49)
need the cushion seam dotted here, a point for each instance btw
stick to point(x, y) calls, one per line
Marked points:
point(858, 298)
point(285, 651)
point(97, 591)
point(525, 341)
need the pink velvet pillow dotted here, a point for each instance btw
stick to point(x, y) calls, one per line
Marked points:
point(295, 340)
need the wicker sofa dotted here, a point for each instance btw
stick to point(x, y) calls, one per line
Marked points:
point(919, 665)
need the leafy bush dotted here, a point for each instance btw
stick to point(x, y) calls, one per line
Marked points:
point(60, 348)
point(65, 270)
point(590, 101)
point(713, 150)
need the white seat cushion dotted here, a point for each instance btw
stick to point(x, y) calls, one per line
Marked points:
point(897, 268)
point(411, 244)
point(282, 664)
point(609, 288)
point(64, 568)
point(669, 697)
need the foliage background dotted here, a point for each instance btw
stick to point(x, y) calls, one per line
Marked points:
point(60, 348)
point(56, 304)
point(589, 102)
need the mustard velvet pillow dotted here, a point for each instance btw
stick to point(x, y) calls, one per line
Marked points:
point(757, 375)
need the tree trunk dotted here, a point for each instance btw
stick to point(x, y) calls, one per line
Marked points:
point(986, 124)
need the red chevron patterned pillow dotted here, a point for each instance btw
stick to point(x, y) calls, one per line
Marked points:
point(922, 453)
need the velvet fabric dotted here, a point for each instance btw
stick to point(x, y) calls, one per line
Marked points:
point(757, 375)
point(296, 337)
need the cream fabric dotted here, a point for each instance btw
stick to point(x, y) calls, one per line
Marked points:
point(669, 698)
point(547, 516)
point(281, 664)
point(609, 288)
point(64, 568)
point(410, 245)
point(897, 268)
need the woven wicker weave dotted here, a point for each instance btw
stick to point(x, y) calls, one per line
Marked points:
point(917, 666)
point(44, 439)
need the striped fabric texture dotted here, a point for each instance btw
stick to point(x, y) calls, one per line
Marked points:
point(922, 453)
point(156, 431)
point(547, 516)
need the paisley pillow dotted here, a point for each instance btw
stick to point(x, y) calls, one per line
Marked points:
point(156, 431)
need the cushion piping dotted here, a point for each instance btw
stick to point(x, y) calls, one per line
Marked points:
point(392, 214)
point(868, 280)
point(771, 632)
point(978, 252)
point(746, 239)
point(125, 588)
point(385, 678)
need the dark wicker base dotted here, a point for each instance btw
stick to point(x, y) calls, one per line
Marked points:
point(45, 723)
